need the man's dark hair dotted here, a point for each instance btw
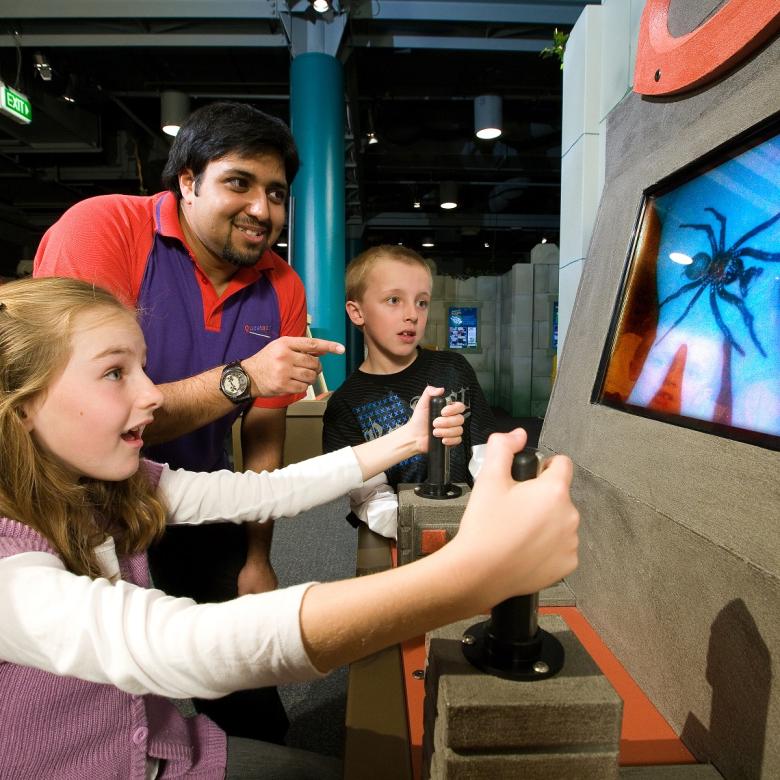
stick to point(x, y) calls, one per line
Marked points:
point(219, 129)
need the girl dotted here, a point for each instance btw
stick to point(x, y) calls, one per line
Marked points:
point(88, 651)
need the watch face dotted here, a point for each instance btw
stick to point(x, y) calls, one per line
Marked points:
point(234, 382)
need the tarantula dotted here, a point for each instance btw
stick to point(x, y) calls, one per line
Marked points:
point(719, 270)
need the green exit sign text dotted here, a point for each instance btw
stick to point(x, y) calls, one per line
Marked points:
point(15, 104)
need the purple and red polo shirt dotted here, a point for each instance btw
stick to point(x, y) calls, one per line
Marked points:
point(135, 247)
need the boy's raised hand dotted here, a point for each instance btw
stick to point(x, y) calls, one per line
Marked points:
point(448, 427)
point(521, 536)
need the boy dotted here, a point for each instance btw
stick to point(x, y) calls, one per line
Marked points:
point(388, 293)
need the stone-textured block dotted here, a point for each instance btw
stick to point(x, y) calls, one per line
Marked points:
point(477, 725)
point(522, 279)
point(569, 279)
point(417, 514)
point(544, 254)
point(466, 289)
point(617, 38)
point(582, 78)
point(580, 174)
point(487, 288)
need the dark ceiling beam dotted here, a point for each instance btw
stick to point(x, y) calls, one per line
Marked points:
point(454, 43)
point(560, 12)
point(419, 221)
point(103, 39)
point(141, 9)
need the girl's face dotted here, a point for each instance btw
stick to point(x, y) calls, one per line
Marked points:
point(93, 415)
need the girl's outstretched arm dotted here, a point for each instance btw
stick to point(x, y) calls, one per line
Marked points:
point(515, 538)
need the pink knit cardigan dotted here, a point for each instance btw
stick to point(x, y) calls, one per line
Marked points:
point(62, 727)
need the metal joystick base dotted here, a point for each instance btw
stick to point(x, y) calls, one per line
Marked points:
point(536, 659)
point(510, 644)
point(437, 484)
point(437, 491)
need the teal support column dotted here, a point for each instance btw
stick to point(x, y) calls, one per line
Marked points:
point(317, 123)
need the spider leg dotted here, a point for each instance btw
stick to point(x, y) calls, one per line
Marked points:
point(679, 292)
point(719, 319)
point(722, 221)
point(759, 254)
point(710, 234)
point(756, 230)
point(747, 277)
point(747, 317)
point(687, 308)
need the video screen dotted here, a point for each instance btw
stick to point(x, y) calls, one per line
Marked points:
point(462, 324)
point(695, 338)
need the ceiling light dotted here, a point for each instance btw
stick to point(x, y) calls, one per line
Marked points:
point(416, 203)
point(428, 243)
point(174, 109)
point(448, 195)
point(544, 240)
point(282, 244)
point(681, 258)
point(372, 139)
point(486, 245)
point(487, 116)
point(320, 6)
point(41, 64)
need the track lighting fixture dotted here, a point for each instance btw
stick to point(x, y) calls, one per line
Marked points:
point(448, 195)
point(174, 109)
point(487, 116)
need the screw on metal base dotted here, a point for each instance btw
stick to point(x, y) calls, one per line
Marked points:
point(482, 650)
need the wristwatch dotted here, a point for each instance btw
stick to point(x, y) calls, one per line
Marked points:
point(235, 383)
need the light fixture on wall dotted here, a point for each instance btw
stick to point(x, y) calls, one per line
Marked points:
point(174, 109)
point(42, 66)
point(371, 135)
point(416, 203)
point(320, 6)
point(448, 195)
point(69, 96)
point(427, 242)
point(487, 116)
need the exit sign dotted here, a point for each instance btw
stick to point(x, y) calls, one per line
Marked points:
point(15, 104)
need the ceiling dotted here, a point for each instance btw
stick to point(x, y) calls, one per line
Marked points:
point(412, 71)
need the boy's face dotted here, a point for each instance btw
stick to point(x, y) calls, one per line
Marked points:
point(393, 311)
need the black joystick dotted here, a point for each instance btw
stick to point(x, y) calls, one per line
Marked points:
point(437, 483)
point(511, 644)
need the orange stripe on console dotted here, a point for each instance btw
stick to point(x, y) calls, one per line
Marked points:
point(646, 739)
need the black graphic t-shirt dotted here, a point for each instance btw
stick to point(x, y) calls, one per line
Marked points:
point(368, 406)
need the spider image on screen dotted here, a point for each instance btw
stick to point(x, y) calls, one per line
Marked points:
point(695, 336)
point(718, 270)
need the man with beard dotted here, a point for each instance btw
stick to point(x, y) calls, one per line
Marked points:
point(224, 319)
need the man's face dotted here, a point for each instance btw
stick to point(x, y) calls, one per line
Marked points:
point(235, 209)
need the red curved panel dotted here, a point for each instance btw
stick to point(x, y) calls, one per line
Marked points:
point(668, 66)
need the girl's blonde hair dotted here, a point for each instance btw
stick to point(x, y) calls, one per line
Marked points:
point(37, 318)
point(360, 266)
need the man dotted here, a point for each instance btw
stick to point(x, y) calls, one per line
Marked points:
point(224, 320)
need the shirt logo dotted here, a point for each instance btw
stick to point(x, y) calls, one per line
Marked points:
point(264, 331)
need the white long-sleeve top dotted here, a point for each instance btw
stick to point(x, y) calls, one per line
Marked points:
point(107, 630)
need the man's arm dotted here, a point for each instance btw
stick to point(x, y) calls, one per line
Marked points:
point(285, 366)
point(262, 447)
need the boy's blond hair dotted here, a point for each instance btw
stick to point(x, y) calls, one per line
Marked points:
point(360, 266)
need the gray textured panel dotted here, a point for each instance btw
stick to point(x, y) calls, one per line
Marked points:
point(477, 725)
point(680, 553)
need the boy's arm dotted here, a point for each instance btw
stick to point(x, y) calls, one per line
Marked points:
point(375, 502)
